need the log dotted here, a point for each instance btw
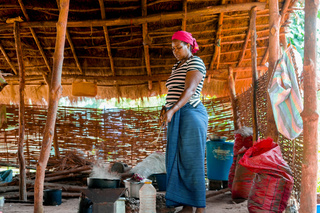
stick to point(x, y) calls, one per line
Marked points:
point(59, 177)
point(22, 161)
point(310, 117)
point(150, 18)
point(14, 195)
point(54, 96)
point(274, 21)
point(215, 193)
point(8, 189)
point(80, 169)
point(15, 165)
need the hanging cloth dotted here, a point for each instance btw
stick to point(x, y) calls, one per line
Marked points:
point(285, 96)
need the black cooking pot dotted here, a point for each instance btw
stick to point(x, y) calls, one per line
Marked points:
point(103, 183)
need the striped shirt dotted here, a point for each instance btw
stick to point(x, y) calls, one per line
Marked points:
point(176, 81)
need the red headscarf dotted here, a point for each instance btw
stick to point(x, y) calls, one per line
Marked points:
point(186, 37)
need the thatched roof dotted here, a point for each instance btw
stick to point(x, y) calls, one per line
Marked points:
point(125, 45)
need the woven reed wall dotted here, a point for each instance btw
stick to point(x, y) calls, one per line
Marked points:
point(123, 135)
point(291, 149)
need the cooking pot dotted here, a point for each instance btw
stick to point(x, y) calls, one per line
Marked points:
point(103, 183)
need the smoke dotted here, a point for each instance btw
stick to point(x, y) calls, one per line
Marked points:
point(103, 171)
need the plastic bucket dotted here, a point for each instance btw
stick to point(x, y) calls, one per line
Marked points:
point(318, 208)
point(219, 159)
point(161, 181)
point(52, 197)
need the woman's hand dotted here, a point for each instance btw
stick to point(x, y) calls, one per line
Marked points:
point(166, 117)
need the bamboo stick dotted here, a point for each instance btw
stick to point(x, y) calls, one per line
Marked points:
point(8, 59)
point(22, 161)
point(54, 95)
point(274, 21)
point(254, 73)
point(244, 47)
point(150, 18)
point(308, 198)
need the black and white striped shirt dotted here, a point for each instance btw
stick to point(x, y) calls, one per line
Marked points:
point(176, 81)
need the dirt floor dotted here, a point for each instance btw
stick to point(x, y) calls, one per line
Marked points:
point(216, 203)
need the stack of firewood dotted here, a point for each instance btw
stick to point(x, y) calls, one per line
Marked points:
point(69, 173)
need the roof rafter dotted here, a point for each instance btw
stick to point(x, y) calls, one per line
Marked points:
point(184, 19)
point(146, 41)
point(73, 50)
point(8, 59)
point(106, 35)
point(34, 35)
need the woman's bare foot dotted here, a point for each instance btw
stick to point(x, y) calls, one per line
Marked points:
point(200, 210)
point(186, 209)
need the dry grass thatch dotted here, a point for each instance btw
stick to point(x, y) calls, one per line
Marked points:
point(139, 59)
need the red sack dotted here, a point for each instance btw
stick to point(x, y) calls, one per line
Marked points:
point(239, 142)
point(242, 180)
point(273, 183)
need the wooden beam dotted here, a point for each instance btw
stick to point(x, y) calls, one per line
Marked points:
point(310, 117)
point(184, 19)
point(146, 41)
point(150, 18)
point(253, 14)
point(8, 59)
point(22, 161)
point(106, 36)
point(274, 21)
point(34, 35)
point(55, 91)
point(217, 47)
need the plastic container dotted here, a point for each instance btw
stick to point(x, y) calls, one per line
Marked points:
point(161, 181)
point(1, 204)
point(219, 159)
point(52, 197)
point(132, 188)
point(147, 195)
point(318, 208)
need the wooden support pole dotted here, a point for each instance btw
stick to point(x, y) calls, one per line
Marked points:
point(310, 117)
point(233, 98)
point(150, 18)
point(253, 16)
point(106, 36)
point(146, 41)
point(184, 19)
point(22, 161)
point(34, 35)
point(274, 21)
point(8, 59)
point(54, 95)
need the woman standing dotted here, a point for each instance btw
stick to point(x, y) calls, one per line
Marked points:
point(187, 122)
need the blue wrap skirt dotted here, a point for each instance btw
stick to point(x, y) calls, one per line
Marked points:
point(185, 154)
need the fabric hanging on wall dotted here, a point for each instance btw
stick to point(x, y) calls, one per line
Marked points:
point(3, 115)
point(285, 96)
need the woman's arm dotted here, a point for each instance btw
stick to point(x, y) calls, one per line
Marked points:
point(193, 78)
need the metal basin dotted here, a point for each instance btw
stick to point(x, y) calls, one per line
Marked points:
point(103, 183)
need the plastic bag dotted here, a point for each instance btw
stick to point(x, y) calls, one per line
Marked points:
point(243, 138)
point(243, 178)
point(273, 182)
